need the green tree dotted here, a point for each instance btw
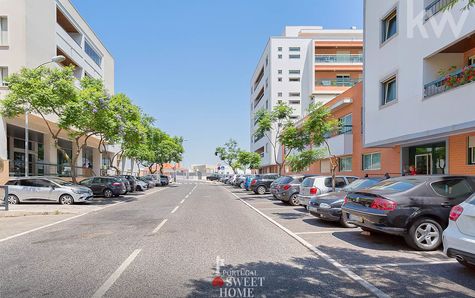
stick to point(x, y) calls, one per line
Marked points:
point(452, 3)
point(250, 160)
point(229, 154)
point(170, 149)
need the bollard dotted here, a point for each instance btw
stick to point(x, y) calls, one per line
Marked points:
point(6, 197)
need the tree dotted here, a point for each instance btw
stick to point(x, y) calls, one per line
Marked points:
point(452, 3)
point(250, 160)
point(170, 149)
point(229, 154)
point(279, 130)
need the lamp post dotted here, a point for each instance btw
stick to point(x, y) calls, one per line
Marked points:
point(55, 59)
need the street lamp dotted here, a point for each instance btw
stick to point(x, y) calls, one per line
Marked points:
point(55, 59)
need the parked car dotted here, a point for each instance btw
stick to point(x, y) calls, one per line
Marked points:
point(150, 182)
point(240, 181)
point(318, 185)
point(132, 181)
point(155, 179)
point(274, 185)
point(247, 183)
point(45, 189)
point(213, 177)
point(416, 207)
point(128, 187)
point(459, 237)
point(328, 206)
point(288, 188)
point(231, 179)
point(105, 186)
point(261, 184)
point(141, 185)
point(164, 180)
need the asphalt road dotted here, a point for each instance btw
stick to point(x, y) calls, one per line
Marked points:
point(185, 240)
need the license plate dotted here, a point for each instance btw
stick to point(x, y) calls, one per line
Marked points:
point(355, 218)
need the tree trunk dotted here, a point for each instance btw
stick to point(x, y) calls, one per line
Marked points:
point(161, 168)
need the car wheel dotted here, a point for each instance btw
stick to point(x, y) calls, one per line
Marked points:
point(424, 234)
point(344, 222)
point(66, 200)
point(294, 200)
point(108, 193)
point(261, 190)
point(12, 199)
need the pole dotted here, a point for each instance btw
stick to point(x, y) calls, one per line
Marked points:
point(26, 143)
point(6, 197)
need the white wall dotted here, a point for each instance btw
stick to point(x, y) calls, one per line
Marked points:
point(412, 117)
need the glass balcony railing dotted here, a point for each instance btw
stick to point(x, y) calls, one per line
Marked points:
point(453, 80)
point(337, 82)
point(435, 7)
point(339, 59)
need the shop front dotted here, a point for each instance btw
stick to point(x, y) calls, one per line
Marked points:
point(425, 159)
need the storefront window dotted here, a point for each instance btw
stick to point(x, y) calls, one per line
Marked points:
point(87, 158)
point(372, 161)
point(346, 164)
point(425, 159)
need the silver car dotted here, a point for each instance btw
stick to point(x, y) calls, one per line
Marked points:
point(45, 189)
point(311, 187)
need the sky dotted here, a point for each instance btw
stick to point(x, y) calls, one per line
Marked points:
point(189, 63)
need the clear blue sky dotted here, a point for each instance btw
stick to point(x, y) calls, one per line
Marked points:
point(189, 63)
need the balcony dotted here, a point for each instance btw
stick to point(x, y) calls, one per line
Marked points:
point(336, 82)
point(339, 59)
point(341, 144)
point(434, 7)
point(453, 80)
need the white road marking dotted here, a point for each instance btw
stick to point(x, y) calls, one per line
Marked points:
point(382, 266)
point(182, 201)
point(371, 288)
point(159, 226)
point(113, 278)
point(187, 196)
point(174, 210)
point(327, 232)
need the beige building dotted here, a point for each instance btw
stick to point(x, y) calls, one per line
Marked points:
point(31, 33)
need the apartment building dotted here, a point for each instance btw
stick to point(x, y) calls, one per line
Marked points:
point(346, 142)
point(418, 83)
point(305, 64)
point(31, 33)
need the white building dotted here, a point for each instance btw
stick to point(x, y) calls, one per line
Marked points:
point(305, 64)
point(414, 54)
point(32, 32)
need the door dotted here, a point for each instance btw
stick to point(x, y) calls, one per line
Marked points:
point(424, 164)
point(45, 189)
point(34, 190)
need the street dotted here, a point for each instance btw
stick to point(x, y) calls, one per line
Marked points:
point(173, 243)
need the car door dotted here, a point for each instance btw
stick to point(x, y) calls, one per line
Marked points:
point(34, 190)
point(449, 193)
point(47, 190)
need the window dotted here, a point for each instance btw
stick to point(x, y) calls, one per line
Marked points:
point(279, 49)
point(294, 49)
point(294, 102)
point(267, 104)
point(294, 71)
point(279, 79)
point(452, 188)
point(3, 31)
point(3, 75)
point(279, 56)
point(325, 166)
point(471, 60)
point(339, 182)
point(294, 79)
point(87, 157)
point(267, 82)
point(93, 54)
point(293, 117)
point(389, 90)
point(346, 164)
point(372, 161)
point(389, 25)
point(294, 94)
point(279, 94)
point(346, 124)
point(294, 56)
point(471, 150)
point(279, 71)
point(267, 60)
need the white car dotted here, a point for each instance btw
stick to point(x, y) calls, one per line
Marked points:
point(314, 186)
point(459, 237)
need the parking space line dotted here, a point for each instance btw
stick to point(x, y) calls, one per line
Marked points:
point(182, 201)
point(389, 265)
point(370, 287)
point(159, 226)
point(327, 232)
point(174, 210)
point(113, 278)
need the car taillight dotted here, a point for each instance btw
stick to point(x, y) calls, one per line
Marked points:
point(314, 191)
point(455, 212)
point(383, 204)
point(116, 184)
point(286, 187)
point(346, 200)
point(253, 181)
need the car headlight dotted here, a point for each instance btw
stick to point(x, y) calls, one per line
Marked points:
point(77, 191)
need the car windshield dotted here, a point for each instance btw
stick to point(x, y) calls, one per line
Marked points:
point(360, 184)
point(61, 182)
point(396, 185)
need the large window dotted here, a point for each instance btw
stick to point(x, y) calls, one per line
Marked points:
point(346, 124)
point(372, 161)
point(3, 75)
point(87, 157)
point(95, 56)
point(389, 25)
point(471, 150)
point(389, 90)
point(346, 164)
point(3, 31)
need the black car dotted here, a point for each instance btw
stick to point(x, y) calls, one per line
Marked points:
point(164, 180)
point(415, 207)
point(328, 206)
point(213, 177)
point(128, 187)
point(105, 186)
point(261, 184)
point(132, 181)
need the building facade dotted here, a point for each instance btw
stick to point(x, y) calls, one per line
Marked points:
point(346, 142)
point(32, 32)
point(303, 65)
point(418, 83)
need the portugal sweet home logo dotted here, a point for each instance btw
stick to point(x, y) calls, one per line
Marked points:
point(236, 283)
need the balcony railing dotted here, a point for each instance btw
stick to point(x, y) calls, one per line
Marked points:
point(337, 82)
point(344, 129)
point(453, 80)
point(339, 59)
point(435, 7)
